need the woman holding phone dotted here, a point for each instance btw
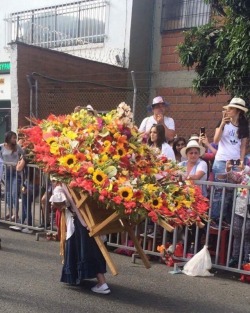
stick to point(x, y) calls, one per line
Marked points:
point(231, 135)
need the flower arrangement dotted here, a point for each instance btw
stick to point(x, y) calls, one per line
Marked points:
point(105, 156)
point(168, 254)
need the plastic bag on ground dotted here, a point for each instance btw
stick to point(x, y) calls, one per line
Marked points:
point(199, 265)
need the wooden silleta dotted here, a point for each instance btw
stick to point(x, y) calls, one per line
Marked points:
point(102, 221)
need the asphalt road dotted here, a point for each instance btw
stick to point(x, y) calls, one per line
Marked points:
point(30, 273)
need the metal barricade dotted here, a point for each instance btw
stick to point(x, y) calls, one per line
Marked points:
point(23, 210)
point(25, 199)
point(218, 237)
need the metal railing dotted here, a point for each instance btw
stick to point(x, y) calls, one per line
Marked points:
point(183, 14)
point(219, 238)
point(78, 23)
point(25, 199)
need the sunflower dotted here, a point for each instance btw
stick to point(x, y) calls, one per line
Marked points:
point(126, 193)
point(50, 140)
point(156, 203)
point(68, 160)
point(121, 151)
point(99, 177)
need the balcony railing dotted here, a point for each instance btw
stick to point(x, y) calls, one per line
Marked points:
point(184, 14)
point(78, 23)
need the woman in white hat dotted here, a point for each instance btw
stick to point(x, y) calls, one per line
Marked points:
point(231, 135)
point(196, 169)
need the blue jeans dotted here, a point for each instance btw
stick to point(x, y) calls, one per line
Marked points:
point(12, 189)
point(219, 170)
point(27, 199)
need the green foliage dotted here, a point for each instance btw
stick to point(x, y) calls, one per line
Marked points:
point(220, 55)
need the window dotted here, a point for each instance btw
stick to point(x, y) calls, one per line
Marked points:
point(78, 23)
point(182, 14)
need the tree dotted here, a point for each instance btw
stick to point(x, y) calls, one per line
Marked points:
point(220, 51)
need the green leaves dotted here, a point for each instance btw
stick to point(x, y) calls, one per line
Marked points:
point(220, 54)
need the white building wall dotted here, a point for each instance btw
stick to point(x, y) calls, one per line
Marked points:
point(14, 89)
point(118, 24)
point(117, 42)
point(5, 92)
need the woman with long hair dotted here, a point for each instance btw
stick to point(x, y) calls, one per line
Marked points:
point(231, 135)
point(10, 153)
point(178, 144)
point(158, 142)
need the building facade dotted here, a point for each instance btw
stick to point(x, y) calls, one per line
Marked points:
point(170, 79)
point(117, 33)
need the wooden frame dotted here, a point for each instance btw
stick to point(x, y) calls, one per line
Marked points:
point(105, 221)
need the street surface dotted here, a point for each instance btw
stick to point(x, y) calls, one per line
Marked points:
point(30, 274)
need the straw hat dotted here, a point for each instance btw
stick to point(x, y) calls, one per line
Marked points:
point(194, 137)
point(192, 144)
point(237, 103)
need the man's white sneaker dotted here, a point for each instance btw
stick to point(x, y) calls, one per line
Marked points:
point(27, 230)
point(103, 289)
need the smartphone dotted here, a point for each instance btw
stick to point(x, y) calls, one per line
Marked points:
point(203, 131)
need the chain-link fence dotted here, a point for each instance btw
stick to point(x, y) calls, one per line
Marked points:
point(61, 97)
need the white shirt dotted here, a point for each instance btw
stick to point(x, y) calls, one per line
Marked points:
point(148, 122)
point(167, 151)
point(199, 166)
point(229, 144)
point(69, 223)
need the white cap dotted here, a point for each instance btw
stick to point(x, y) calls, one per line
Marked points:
point(58, 195)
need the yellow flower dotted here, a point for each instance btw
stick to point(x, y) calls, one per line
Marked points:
point(106, 144)
point(116, 157)
point(150, 188)
point(99, 177)
point(54, 148)
point(90, 170)
point(68, 160)
point(50, 140)
point(104, 158)
point(126, 193)
point(69, 134)
point(187, 203)
point(156, 203)
point(121, 151)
